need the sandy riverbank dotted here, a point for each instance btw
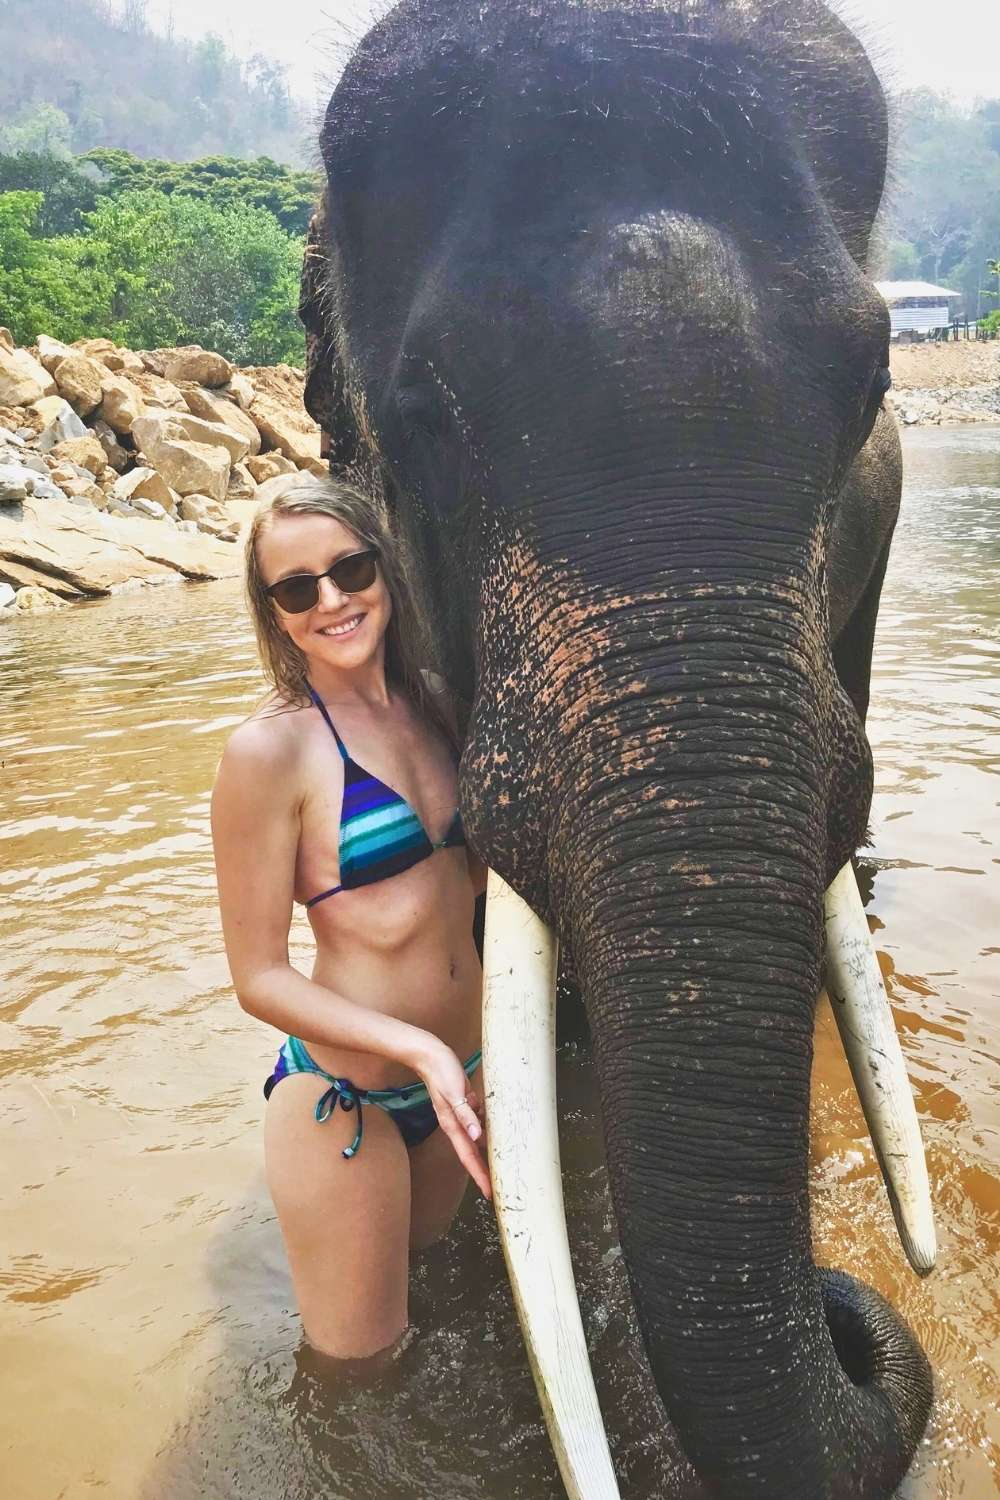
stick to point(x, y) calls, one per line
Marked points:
point(943, 384)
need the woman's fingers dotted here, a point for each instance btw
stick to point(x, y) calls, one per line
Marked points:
point(453, 1120)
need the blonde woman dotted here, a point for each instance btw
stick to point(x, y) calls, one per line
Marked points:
point(341, 792)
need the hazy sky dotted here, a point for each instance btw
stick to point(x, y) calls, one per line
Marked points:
point(953, 46)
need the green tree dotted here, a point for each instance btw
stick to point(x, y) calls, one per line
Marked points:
point(68, 191)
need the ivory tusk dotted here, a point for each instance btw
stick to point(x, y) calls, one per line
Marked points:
point(868, 1032)
point(519, 968)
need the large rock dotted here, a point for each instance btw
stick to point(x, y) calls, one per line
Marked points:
point(212, 407)
point(200, 365)
point(22, 379)
point(144, 484)
point(86, 452)
point(35, 601)
point(122, 402)
point(61, 422)
point(188, 467)
point(269, 465)
point(79, 380)
point(159, 392)
point(241, 390)
point(51, 351)
point(288, 428)
point(117, 456)
point(121, 361)
point(242, 485)
point(13, 484)
point(156, 425)
point(7, 340)
point(101, 554)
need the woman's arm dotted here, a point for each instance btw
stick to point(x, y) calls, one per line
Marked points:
point(256, 808)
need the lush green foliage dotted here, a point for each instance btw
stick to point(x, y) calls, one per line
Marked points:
point(70, 185)
point(991, 323)
point(74, 76)
point(152, 269)
point(943, 216)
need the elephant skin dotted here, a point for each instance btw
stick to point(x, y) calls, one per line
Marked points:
point(586, 299)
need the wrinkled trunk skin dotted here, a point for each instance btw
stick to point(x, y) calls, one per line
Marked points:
point(691, 745)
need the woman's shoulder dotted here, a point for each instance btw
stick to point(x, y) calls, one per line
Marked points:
point(269, 740)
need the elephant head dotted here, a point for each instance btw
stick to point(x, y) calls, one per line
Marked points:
point(586, 297)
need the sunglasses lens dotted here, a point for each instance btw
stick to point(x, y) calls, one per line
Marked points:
point(296, 595)
point(352, 574)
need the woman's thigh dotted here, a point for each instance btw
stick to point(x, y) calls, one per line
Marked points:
point(437, 1183)
point(345, 1223)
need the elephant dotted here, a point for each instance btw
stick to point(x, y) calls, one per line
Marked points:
point(586, 299)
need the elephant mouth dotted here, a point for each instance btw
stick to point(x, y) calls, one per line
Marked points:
point(520, 960)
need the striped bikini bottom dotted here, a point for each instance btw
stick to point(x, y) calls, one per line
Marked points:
point(409, 1107)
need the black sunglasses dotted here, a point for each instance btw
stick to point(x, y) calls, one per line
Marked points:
point(351, 574)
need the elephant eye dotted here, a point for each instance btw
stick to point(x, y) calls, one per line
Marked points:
point(421, 409)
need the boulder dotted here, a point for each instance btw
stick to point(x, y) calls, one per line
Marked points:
point(22, 379)
point(200, 365)
point(36, 601)
point(202, 508)
point(121, 361)
point(84, 490)
point(289, 429)
point(269, 465)
point(51, 351)
point(144, 484)
point(240, 389)
point(159, 392)
point(150, 508)
point(84, 451)
point(79, 380)
point(95, 347)
point(122, 402)
point(13, 484)
point(188, 467)
point(117, 456)
point(7, 340)
point(242, 485)
point(101, 554)
point(211, 406)
point(61, 422)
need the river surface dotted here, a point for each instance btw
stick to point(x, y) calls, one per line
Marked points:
point(151, 1348)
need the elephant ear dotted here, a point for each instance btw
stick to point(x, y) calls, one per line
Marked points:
point(326, 395)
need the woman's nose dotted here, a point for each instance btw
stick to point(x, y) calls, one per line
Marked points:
point(329, 595)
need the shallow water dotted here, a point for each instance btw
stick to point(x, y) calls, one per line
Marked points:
point(151, 1347)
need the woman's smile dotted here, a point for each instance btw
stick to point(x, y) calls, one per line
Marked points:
point(346, 627)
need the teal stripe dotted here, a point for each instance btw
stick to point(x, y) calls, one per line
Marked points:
point(381, 841)
point(366, 824)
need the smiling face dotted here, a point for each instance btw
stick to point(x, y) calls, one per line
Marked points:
point(342, 632)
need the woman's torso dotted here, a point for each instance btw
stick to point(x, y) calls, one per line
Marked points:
point(402, 945)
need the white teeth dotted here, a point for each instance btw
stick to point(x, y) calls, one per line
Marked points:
point(344, 629)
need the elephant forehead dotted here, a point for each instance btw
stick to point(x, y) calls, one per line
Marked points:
point(673, 263)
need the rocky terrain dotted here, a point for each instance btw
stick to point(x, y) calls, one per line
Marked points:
point(944, 383)
point(122, 468)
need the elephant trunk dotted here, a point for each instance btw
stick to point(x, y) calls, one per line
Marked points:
point(689, 877)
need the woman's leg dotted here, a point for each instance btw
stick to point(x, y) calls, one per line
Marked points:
point(345, 1223)
point(437, 1183)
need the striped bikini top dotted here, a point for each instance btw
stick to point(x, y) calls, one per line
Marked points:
point(380, 834)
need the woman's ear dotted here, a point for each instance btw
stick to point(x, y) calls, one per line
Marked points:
point(326, 397)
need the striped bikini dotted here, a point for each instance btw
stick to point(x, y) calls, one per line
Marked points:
point(380, 834)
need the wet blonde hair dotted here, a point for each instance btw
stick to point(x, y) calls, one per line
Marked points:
point(407, 646)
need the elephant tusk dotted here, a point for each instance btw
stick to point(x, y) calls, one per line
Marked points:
point(868, 1032)
point(519, 968)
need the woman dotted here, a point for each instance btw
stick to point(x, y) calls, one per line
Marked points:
point(340, 791)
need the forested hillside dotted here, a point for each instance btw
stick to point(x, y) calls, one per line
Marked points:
point(75, 74)
point(942, 220)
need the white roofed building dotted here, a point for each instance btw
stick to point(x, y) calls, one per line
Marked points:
point(917, 306)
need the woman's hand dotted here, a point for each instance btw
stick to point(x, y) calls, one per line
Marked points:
point(457, 1106)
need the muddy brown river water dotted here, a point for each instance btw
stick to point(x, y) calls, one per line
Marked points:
point(151, 1351)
